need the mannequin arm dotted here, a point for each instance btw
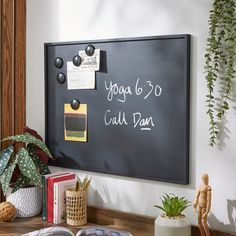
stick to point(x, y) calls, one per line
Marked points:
point(208, 200)
point(208, 207)
point(196, 199)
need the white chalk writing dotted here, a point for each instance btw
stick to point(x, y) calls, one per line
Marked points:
point(121, 93)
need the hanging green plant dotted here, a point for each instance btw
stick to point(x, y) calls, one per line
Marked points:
point(220, 62)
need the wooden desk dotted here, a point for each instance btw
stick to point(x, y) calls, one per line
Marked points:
point(137, 225)
point(21, 226)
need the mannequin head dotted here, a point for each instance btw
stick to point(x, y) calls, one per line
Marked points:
point(205, 179)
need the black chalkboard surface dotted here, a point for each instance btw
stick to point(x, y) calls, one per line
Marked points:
point(138, 115)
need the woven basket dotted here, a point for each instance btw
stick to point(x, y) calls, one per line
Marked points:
point(76, 207)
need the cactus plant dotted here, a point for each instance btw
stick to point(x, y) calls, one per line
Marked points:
point(24, 162)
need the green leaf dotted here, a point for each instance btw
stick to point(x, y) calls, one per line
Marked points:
point(43, 168)
point(160, 207)
point(6, 177)
point(5, 157)
point(27, 166)
point(226, 104)
point(28, 138)
point(20, 183)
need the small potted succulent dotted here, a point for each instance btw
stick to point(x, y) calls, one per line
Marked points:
point(22, 163)
point(172, 221)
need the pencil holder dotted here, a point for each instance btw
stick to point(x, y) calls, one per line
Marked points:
point(76, 207)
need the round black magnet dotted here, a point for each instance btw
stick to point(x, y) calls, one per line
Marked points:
point(61, 78)
point(75, 104)
point(77, 60)
point(89, 50)
point(58, 62)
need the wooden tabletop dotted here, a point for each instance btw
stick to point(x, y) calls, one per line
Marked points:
point(136, 224)
point(25, 225)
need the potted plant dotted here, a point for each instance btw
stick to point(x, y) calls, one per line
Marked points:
point(22, 163)
point(172, 221)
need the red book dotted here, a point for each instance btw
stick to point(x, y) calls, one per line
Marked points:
point(50, 190)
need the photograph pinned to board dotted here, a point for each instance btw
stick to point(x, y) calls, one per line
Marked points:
point(90, 63)
point(75, 123)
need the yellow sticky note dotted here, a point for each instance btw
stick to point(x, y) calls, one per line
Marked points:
point(75, 123)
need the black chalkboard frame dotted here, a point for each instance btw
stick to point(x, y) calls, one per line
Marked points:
point(185, 178)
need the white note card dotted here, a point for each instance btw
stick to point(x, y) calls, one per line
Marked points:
point(77, 79)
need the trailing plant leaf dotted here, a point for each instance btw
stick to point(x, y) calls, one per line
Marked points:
point(40, 153)
point(21, 182)
point(43, 168)
point(27, 166)
point(28, 138)
point(220, 61)
point(172, 205)
point(5, 157)
point(6, 176)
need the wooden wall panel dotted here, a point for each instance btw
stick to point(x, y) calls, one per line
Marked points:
point(0, 67)
point(0, 74)
point(12, 67)
point(20, 65)
point(7, 72)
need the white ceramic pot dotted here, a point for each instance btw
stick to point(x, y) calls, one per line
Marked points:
point(28, 201)
point(165, 226)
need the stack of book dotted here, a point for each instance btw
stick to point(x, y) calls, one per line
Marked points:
point(54, 195)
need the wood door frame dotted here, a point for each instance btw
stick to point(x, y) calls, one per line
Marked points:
point(12, 67)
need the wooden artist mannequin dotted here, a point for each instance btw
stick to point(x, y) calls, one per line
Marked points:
point(202, 205)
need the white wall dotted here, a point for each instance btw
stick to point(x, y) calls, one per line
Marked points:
point(72, 20)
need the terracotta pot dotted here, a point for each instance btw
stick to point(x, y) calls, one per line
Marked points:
point(165, 226)
point(28, 201)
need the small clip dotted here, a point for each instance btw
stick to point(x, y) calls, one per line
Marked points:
point(61, 78)
point(89, 50)
point(58, 62)
point(77, 60)
point(75, 103)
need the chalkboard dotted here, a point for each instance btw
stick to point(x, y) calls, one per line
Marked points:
point(138, 114)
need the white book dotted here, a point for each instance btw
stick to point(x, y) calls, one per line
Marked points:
point(44, 192)
point(59, 203)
